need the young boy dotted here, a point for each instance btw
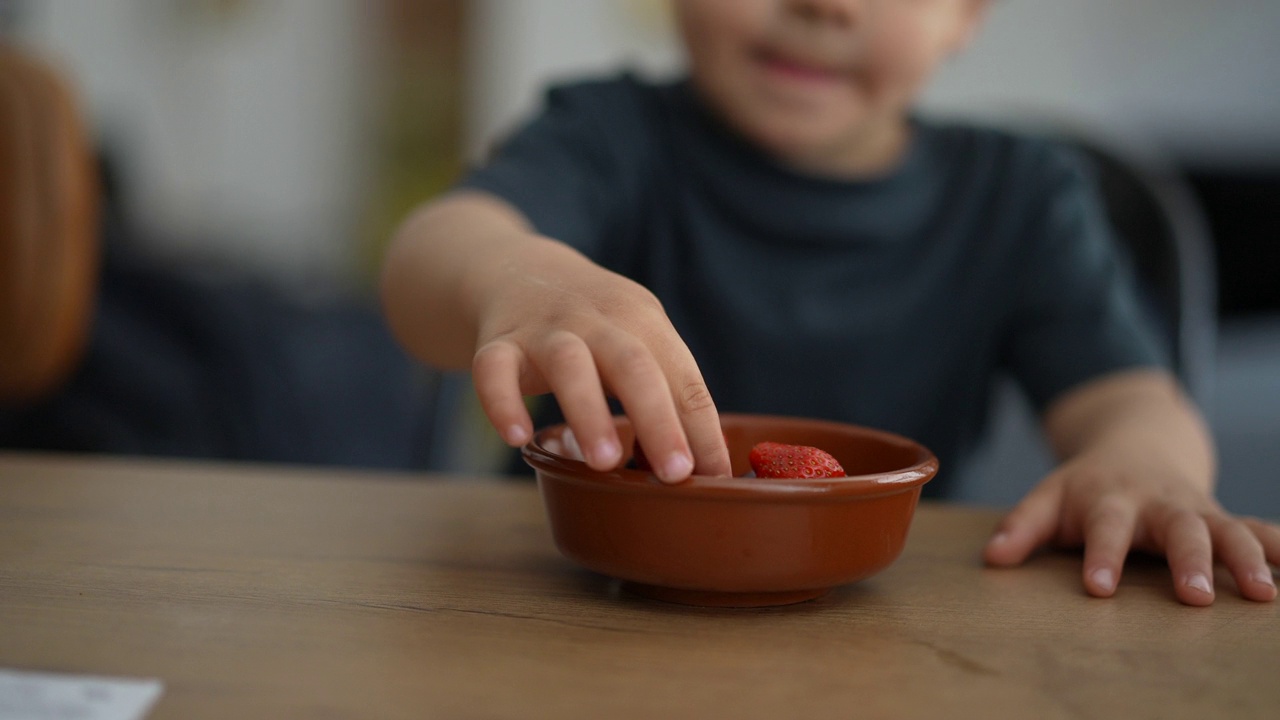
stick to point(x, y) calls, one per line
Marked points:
point(781, 233)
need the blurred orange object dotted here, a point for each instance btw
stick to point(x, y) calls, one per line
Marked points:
point(49, 242)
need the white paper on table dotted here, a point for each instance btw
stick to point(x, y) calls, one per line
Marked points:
point(46, 696)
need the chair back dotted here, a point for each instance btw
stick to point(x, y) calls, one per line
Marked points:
point(48, 229)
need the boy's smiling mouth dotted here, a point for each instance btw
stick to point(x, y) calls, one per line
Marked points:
point(794, 70)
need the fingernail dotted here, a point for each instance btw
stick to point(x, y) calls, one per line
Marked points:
point(1199, 582)
point(1000, 538)
point(1264, 577)
point(516, 435)
point(1103, 578)
point(606, 453)
point(677, 467)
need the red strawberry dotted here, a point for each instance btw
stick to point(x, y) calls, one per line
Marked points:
point(778, 460)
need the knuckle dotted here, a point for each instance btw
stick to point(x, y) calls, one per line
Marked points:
point(1221, 522)
point(1186, 518)
point(646, 298)
point(1256, 524)
point(1109, 511)
point(489, 355)
point(561, 348)
point(695, 397)
point(633, 298)
point(1239, 532)
point(1092, 476)
point(632, 359)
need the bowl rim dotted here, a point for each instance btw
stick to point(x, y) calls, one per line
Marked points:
point(623, 479)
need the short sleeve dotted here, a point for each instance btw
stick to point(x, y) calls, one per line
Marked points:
point(1077, 313)
point(574, 169)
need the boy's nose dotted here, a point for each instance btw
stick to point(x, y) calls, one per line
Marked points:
point(840, 13)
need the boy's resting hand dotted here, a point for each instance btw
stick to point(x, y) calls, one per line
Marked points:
point(1138, 475)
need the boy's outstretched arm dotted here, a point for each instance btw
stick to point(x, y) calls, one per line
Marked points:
point(1137, 472)
point(468, 283)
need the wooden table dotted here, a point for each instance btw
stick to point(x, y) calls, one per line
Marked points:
point(258, 592)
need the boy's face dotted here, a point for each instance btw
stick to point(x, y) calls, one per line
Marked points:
point(825, 85)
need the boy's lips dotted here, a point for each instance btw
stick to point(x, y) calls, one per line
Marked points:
point(797, 70)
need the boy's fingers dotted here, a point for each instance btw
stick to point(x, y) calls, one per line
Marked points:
point(1242, 553)
point(1031, 523)
point(636, 379)
point(495, 372)
point(568, 366)
point(695, 408)
point(1267, 534)
point(701, 423)
point(695, 417)
point(1189, 550)
point(706, 440)
point(1108, 535)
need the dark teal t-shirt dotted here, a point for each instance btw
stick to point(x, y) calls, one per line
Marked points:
point(893, 301)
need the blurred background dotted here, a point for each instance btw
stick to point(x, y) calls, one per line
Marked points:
point(278, 142)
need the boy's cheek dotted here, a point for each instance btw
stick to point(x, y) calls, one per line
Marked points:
point(902, 62)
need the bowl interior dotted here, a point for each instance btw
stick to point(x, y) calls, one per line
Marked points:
point(861, 451)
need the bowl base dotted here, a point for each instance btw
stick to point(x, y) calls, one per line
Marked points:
point(711, 598)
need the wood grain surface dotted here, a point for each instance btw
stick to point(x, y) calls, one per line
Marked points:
point(271, 592)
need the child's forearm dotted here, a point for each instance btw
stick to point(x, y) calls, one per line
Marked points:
point(441, 262)
point(1142, 416)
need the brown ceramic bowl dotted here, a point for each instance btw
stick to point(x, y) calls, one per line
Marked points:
point(738, 541)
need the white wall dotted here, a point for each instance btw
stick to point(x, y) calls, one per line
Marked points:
point(518, 46)
point(1201, 78)
point(242, 127)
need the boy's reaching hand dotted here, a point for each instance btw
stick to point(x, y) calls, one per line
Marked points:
point(467, 281)
point(556, 322)
point(1139, 476)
